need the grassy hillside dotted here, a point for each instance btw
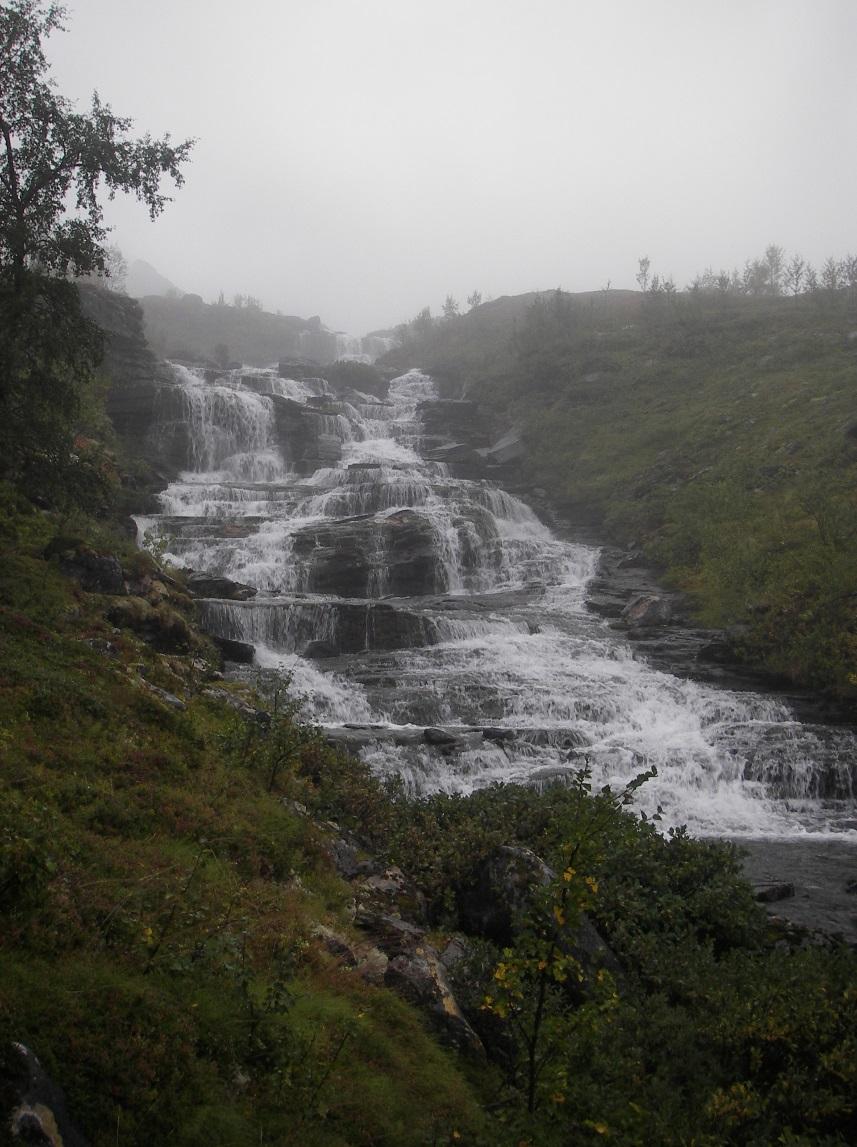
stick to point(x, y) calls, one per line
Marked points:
point(718, 432)
point(159, 898)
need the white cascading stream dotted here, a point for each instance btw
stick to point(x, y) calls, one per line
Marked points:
point(493, 633)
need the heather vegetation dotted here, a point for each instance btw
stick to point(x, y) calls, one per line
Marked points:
point(714, 426)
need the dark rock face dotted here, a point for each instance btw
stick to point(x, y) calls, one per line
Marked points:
point(295, 625)
point(137, 377)
point(95, 573)
point(211, 585)
point(348, 557)
point(38, 1114)
point(458, 454)
point(770, 891)
point(500, 890)
point(302, 435)
point(239, 651)
point(458, 420)
point(420, 977)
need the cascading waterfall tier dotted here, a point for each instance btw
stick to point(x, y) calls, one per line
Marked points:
point(399, 596)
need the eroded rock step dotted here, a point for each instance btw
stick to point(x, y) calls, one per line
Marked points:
point(330, 629)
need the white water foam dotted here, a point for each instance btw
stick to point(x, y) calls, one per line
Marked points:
point(537, 664)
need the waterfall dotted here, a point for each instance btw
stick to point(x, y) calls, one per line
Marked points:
point(400, 593)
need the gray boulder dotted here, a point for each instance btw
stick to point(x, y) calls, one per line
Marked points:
point(201, 584)
point(648, 609)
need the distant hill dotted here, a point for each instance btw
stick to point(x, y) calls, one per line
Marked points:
point(142, 279)
point(187, 328)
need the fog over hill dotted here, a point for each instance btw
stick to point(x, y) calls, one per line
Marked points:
point(143, 279)
point(361, 161)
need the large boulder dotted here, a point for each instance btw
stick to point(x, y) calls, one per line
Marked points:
point(503, 888)
point(648, 609)
point(500, 891)
point(201, 584)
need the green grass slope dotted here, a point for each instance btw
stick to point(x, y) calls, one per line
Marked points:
point(158, 897)
point(165, 870)
point(721, 433)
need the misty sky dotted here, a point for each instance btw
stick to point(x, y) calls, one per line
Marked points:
point(359, 159)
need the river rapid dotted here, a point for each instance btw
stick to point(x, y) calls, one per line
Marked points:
point(434, 624)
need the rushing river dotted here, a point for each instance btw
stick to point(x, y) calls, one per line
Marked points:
point(399, 598)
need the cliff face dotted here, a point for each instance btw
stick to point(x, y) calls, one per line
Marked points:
point(138, 379)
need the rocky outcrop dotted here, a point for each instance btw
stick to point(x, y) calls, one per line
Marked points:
point(648, 609)
point(241, 652)
point(137, 378)
point(349, 557)
point(201, 584)
point(396, 952)
point(500, 891)
point(503, 890)
point(303, 436)
point(456, 419)
point(38, 1113)
point(94, 572)
point(319, 629)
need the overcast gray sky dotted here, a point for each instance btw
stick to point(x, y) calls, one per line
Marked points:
point(358, 159)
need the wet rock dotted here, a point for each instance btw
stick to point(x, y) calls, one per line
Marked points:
point(202, 584)
point(393, 935)
point(349, 557)
point(241, 652)
point(648, 609)
point(320, 649)
point(39, 1114)
point(434, 736)
point(458, 454)
point(492, 733)
point(297, 625)
point(769, 891)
